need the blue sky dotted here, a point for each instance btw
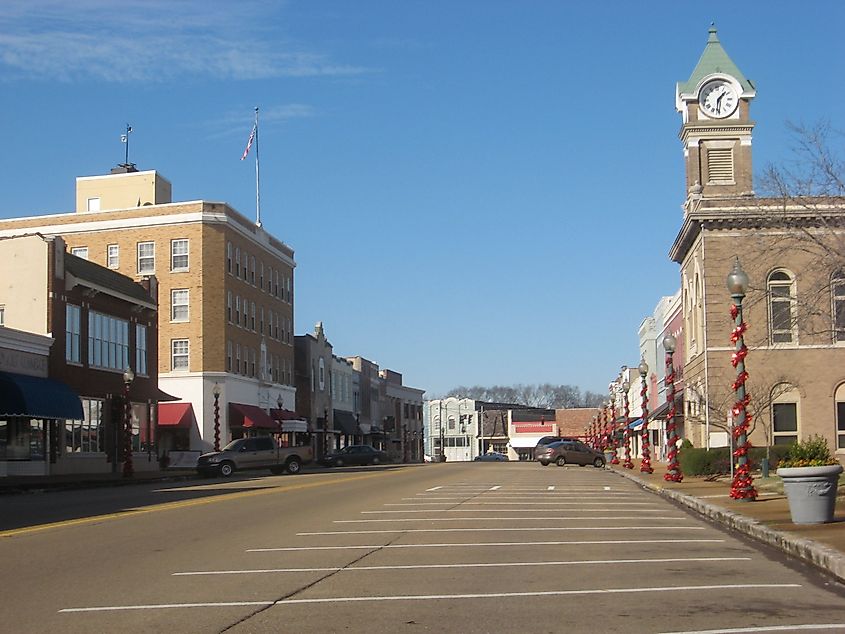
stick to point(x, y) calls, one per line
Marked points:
point(478, 192)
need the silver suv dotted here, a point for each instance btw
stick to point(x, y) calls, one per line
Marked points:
point(565, 452)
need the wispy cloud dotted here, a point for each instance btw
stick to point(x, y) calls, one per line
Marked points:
point(152, 40)
point(240, 122)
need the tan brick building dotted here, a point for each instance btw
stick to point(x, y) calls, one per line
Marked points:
point(225, 293)
point(792, 253)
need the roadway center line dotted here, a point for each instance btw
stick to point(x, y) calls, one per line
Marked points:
point(531, 528)
point(436, 597)
point(587, 562)
point(623, 542)
point(169, 506)
point(508, 519)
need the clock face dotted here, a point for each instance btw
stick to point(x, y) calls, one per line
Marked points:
point(718, 99)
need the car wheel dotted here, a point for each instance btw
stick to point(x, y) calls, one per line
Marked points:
point(376, 460)
point(293, 466)
point(226, 469)
point(560, 461)
point(338, 463)
point(598, 463)
point(545, 463)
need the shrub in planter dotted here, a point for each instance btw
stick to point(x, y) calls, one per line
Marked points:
point(812, 452)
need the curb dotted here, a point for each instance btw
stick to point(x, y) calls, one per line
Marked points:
point(821, 556)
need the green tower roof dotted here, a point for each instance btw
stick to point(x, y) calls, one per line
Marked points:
point(714, 59)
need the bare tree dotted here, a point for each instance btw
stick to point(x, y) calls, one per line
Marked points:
point(545, 395)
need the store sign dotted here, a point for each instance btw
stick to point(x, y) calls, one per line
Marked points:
point(23, 362)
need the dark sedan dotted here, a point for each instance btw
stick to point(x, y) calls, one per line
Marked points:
point(492, 456)
point(355, 455)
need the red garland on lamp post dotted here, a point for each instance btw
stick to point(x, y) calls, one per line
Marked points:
point(605, 442)
point(673, 470)
point(216, 392)
point(614, 441)
point(742, 487)
point(625, 387)
point(645, 466)
point(128, 467)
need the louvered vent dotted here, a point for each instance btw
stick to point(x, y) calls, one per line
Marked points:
point(720, 164)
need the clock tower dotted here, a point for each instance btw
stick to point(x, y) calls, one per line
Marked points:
point(716, 131)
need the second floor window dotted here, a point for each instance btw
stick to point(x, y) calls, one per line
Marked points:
point(179, 255)
point(146, 257)
point(781, 287)
point(838, 292)
point(72, 319)
point(80, 252)
point(179, 304)
point(108, 341)
point(141, 349)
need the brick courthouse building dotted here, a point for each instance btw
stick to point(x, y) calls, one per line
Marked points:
point(791, 250)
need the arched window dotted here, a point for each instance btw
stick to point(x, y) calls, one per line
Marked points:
point(785, 414)
point(837, 290)
point(781, 287)
point(840, 417)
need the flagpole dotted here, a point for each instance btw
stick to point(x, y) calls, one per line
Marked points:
point(257, 177)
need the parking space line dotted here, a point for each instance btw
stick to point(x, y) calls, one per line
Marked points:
point(434, 488)
point(550, 488)
point(510, 519)
point(559, 503)
point(495, 488)
point(438, 597)
point(517, 510)
point(528, 528)
point(768, 628)
point(591, 542)
point(586, 562)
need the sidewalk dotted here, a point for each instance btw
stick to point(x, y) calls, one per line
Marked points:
point(766, 519)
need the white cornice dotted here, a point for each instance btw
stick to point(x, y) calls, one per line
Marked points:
point(123, 223)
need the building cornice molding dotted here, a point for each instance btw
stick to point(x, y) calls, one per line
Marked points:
point(206, 213)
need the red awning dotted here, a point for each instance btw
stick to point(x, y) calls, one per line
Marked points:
point(179, 415)
point(283, 414)
point(251, 416)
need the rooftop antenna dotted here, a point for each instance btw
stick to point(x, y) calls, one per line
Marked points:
point(124, 138)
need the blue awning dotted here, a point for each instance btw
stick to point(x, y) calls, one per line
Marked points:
point(635, 423)
point(37, 397)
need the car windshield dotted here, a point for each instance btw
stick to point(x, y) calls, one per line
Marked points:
point(235, 445)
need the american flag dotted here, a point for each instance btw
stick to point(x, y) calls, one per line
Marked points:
point(249, 141)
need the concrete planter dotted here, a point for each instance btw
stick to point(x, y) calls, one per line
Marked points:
point(811, 492)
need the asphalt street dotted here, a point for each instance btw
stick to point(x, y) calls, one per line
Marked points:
point(455, 547)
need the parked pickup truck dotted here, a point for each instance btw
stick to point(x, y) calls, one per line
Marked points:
point(254, 453)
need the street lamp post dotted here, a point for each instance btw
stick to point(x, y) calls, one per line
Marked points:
point(628, 464)
point(216, 392)
point(128, 467)
point(742, 487)
point(645, 466)
point(673, 471)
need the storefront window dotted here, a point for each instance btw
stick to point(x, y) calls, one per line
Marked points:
point(88, 435)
